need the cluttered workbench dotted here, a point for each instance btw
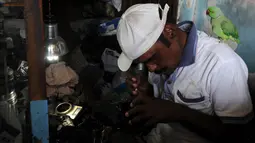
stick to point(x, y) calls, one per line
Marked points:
point(59, 77)
point(89, 104)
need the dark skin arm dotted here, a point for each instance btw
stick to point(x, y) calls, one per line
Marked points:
point(152, 111)
point(211, 127)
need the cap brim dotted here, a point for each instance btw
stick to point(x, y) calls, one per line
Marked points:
point(124, 62)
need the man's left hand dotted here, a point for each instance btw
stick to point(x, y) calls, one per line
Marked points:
point(150, 111)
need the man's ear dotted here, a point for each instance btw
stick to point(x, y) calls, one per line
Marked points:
point(170, 30)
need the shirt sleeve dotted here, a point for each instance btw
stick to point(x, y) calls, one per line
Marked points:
point(230, 94)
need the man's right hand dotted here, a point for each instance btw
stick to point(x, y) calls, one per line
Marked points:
point(139, 89)
point(132, 84)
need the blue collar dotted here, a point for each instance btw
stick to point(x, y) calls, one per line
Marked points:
point(189, 52)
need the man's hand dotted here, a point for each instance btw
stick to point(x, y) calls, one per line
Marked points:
point(138, 87)
point(151, 111)
point(132, 85)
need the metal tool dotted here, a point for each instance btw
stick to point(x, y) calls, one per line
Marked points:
point(68, 109)
point(140, 72)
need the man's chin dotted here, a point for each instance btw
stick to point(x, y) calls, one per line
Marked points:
point(159, 72)
point(164, 71)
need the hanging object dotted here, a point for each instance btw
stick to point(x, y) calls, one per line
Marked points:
point(55, 46)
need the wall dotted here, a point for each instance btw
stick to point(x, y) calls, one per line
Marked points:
point(172, 3)
point(240, 12)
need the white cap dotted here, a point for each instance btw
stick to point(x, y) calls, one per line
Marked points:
point(139, 28)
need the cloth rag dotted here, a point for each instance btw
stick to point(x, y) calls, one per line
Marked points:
point(60, 79)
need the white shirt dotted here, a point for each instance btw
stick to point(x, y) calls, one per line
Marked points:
point(215, 84)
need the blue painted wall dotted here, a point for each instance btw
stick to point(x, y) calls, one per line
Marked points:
point(240, 12)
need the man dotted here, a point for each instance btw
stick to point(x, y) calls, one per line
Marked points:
point(200, 85)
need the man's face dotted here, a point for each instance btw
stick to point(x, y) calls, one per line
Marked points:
point(163, 59)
